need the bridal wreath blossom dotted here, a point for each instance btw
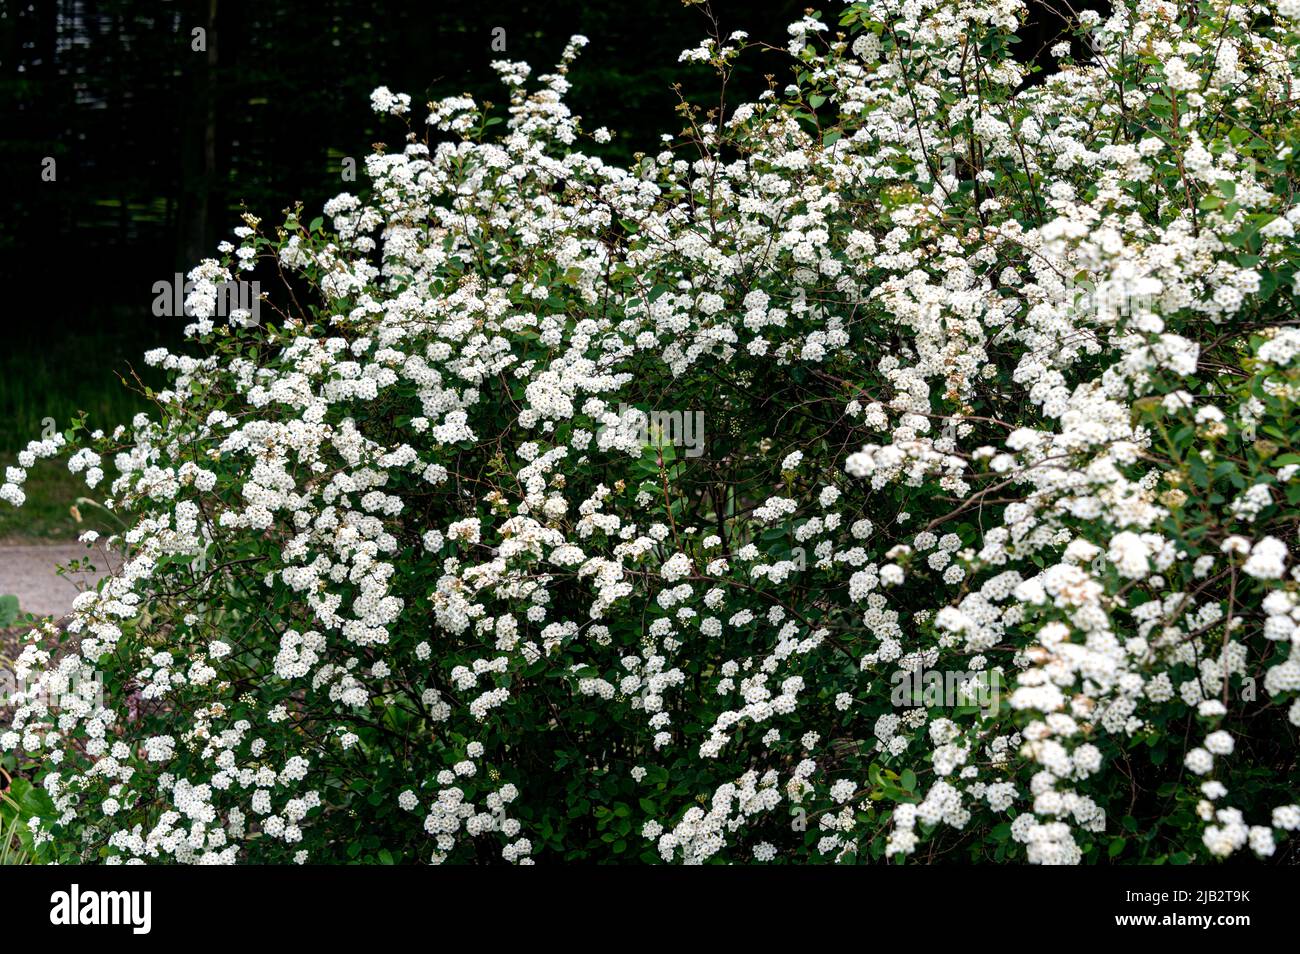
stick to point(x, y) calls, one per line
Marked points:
point(901, 466)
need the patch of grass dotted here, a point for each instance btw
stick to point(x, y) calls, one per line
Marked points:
point(60, 370)
point(51, 511)
point(12, 851)
point(54, 372)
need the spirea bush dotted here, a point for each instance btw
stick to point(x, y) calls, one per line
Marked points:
point(983, 548)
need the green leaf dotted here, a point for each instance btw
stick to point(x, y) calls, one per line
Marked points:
point(8, 610)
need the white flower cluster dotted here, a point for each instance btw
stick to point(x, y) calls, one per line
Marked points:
point(993, 391)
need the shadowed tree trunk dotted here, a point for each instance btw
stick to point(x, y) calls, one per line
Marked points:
point(199, 165)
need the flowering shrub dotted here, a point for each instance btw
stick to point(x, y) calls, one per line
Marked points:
point(996, 378)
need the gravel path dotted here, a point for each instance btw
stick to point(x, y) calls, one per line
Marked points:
point(27, 570)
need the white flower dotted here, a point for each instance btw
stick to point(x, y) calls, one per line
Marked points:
point(1199, 761)
point(1267, 559)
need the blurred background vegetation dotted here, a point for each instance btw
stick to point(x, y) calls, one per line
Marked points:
point(158, 146)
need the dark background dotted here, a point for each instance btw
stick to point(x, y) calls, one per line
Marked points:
point(158, 147)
